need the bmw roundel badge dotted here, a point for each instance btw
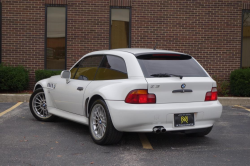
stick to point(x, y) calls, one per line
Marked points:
point(183, 86)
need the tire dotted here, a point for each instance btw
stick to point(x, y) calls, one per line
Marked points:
point(38, 106)
point(202, 133)
point(98, 119)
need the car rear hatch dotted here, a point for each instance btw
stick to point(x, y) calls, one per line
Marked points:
point(175, 78)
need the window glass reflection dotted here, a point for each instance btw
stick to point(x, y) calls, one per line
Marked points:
point(119, 28)
point(246, 40)
point(87, 67)
point(112, 67)
point(56, 23)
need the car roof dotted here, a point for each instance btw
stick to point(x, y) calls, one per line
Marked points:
point(134, 51)
point(139, 51)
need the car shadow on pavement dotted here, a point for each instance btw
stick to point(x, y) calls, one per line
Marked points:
point(73, 126)
point(158, 141)
point(179, 141)
point(83, 131)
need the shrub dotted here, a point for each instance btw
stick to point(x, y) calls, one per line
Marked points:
point(42, 74)
point(223, 87)
point(240, 82)
point(13, 78)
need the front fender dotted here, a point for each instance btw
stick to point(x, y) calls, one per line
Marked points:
point(43, 83)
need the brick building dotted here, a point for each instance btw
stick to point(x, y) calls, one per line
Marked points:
point(54, 34)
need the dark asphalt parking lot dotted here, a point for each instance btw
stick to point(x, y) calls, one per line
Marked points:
point(26, 141)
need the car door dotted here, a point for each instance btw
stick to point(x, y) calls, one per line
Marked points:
point(69, 96)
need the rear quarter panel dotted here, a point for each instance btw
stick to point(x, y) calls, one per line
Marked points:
point(114, 89)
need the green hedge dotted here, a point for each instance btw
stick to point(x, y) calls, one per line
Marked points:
point(13, 78)
point(240, 82)
point(42, 74)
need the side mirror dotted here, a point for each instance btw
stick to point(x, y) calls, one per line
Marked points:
point(66, 74)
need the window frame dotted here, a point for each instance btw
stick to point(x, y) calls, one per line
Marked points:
point(79, 61)
point(0, 32)
point(45, 36)
point(242, 18)
point(111, 69)
point(130, 13)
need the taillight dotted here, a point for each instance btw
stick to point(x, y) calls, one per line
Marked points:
point(212, 95)
point(140, 96)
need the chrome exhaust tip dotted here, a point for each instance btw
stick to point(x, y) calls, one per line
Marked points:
point(163, 130)
point(156, 130)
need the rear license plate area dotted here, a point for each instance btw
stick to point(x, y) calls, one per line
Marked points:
point(185, 119)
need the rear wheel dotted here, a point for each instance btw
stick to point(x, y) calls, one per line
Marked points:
point(38, 106)
point(200, 134)
point(100, 125)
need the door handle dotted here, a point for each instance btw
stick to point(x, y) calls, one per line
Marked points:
point(80, 88)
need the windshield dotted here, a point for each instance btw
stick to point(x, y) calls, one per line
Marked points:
point(182, 65)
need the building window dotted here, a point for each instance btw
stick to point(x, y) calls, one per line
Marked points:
point(245, 61)
point(120, 24)
point(0, 32)
point(55, 45)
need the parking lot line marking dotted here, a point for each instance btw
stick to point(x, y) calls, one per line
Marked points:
point(10, 109)
point(243, 107)
point(145, 143)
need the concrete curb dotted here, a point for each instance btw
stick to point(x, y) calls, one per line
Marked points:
point(225, 101)
point(13, 98)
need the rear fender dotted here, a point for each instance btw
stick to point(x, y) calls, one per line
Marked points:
point(114, 89)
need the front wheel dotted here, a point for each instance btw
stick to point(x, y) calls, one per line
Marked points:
point(38, 106)
point(100, 125)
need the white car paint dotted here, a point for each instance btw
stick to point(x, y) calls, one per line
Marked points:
point(199, 85)
point(67, 97)
point(66, 101)
point(142, 118)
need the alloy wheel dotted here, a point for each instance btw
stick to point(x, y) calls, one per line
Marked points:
point(98, 120)
point(40, 106)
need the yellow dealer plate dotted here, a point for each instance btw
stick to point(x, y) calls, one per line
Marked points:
point(186, 119)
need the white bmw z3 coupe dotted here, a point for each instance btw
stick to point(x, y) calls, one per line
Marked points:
point(131, 90)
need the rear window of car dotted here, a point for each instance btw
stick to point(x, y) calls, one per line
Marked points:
point(176, 64)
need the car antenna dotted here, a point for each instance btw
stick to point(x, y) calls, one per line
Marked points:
point(155, 46)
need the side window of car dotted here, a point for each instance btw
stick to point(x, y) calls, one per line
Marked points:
point(74, 69)
point(112, 67)
point(87, 67)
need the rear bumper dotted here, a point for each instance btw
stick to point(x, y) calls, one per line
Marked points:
point(143, 117)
